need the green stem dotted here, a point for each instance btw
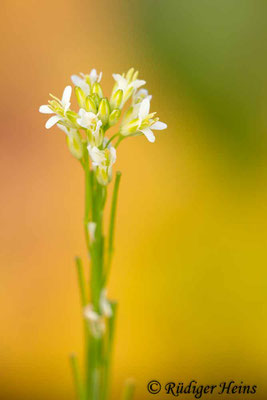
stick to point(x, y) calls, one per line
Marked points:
point(119, 140)
point(88, 198)
point(79, 387)
point(112, 223)
point(96, 277)
point(97, 247)
point(98, 350)
point(88, 215)
point(84, 302)
point(109, 349)
point(95, 382)
point(110, 140)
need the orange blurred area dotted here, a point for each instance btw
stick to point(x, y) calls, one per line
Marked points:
point(190, 258)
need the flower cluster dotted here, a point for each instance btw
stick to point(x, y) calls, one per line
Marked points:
point(86, 129)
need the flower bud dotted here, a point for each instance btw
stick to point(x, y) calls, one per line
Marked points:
point(97, 89)
point(96, 99)
point(75, 143)
point(116, 99)
point(98, 137)
point(114, 117)
point(130, 127)
point(128, 115)
point(102, 175)
point(90, 105)
point(104, 110)
point(72, 116)
point(80, 96)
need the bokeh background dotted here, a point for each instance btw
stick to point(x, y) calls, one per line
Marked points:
point(191, 239)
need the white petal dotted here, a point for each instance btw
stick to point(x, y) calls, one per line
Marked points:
point(90, 314)
point(82, 112)
point(91, 230)
point(148, 134)
point(45, 110)
point(99, 77)
point(81, 84)
point(52, 121)
point(77, 81)
point(113, 155)
point(158, 126)
point(121, 81)
point(63, 128)
point(144, 109)
point(116, 77)
point(66, 94)
point(93, 72)
point(93, 76)
point(81, 122)
point(90, 115)
point(87, 118)
point(142, 93)
point(138, 83)
point(98, 126)
point(97, 156)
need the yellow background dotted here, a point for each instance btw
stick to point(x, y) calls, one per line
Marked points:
point(190, 263)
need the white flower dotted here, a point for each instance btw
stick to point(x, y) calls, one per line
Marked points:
point(140, 95)
point(97, 156)
point(157, 126)
point(86, 81)
point(125, 84)
point(143, 115)
point(87, 119)
point(90, 314)
point(102, 158)
point(58, 107)
point(96, 321)
point(139, 120)
point(128, 84)
point(102, 161)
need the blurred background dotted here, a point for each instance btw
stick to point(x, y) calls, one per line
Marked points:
point(191, 242)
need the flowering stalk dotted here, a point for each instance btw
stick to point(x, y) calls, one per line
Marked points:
point(87, 140)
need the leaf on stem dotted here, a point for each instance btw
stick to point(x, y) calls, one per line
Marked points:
point(79, 387)
point(81, 281)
